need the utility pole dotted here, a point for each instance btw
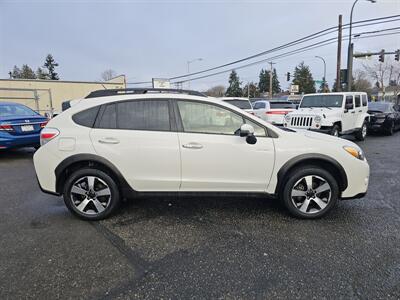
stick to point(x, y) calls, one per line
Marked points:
point(339, 55)
point(270, 80)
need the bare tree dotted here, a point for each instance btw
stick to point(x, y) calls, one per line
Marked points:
point(216, 91)
point(108, 74)
point(380, 73)
point(361, 82)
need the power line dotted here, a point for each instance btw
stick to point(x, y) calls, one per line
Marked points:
point(327, 31)
point(289, 53)
point(293, 43)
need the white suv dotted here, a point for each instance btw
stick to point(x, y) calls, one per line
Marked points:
point(123, 142)
point(332, 113)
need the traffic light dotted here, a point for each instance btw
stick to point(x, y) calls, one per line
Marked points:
point(288, 76)
point(382, 55)
point(397, 55)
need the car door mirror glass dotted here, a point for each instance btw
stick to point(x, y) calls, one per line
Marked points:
point(246, 130)
point(251, 139)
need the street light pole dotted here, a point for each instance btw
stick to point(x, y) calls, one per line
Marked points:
point(188, 68)
point(324, 79)
point(350, 49)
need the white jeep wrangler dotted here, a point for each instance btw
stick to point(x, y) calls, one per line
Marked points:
point(332, 113)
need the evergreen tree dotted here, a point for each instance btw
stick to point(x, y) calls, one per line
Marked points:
point(50, 64)
point(24, 73)
point(16, 73)
point(303, 78)
point(263, 84)
point(27, 72)
point(234, 89)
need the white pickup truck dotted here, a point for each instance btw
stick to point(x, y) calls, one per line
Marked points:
point(332, 113)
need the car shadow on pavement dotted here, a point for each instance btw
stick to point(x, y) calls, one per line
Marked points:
point(22, 153)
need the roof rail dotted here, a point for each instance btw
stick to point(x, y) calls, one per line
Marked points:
point(115, 92)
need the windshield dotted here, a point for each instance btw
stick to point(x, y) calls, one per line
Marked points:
point(322, 101)
point(378, 106)
point(282, 104)
point(7, 110)
point(243, 104)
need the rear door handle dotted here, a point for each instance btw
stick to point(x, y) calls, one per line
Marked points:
point(353, 112)
point(108, 140)
point(193, 146)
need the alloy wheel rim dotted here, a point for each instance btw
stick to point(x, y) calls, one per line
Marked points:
point(90, 195)
point(336, 133)
point(311, 194)
point(364, 131)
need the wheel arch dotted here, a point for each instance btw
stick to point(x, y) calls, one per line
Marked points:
point(320, 160)
point(78, 161)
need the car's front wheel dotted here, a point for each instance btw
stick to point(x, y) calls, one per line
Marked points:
point(91, 194)
point(310, 192)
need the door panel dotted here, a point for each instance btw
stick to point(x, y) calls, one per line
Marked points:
point(214, 157)
point(148, 160)
point(349, 116)
point(225, 163)
point(136, 137)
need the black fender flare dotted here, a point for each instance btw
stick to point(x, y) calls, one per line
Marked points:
point(314, 158)
point(125, 188)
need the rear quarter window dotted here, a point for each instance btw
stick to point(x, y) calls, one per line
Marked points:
point(86, 117)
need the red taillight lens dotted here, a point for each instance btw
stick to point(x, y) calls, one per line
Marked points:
point(47, 134)
point(6, 127)
point(43, 125)
point(276, 112)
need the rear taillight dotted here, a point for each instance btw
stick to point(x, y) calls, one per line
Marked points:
point(47, 134)
point(6, 127)
point(276, 112)
point(43, 124)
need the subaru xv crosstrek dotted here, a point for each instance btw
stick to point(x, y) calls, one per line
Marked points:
point(119, 143)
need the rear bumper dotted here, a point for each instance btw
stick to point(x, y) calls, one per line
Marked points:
point(8, 141)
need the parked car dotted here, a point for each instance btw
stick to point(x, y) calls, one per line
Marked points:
point(332, 113)
point(273, 111)
point(20, 126)
point(385, 117)
point(242, 103)
point(116, 145)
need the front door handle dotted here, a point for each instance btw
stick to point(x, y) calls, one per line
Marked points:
point(108, 140)
point(193, 146)
point(353, 112)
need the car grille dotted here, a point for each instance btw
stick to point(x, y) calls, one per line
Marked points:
point(301, 121)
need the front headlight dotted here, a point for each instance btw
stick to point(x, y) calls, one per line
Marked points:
point(317, 119)
point(357, 153)
point(287, 118)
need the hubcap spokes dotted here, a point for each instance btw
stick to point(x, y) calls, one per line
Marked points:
point(311, 194)
point(90, 195)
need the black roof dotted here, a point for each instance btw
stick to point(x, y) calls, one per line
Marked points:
point(115, 92)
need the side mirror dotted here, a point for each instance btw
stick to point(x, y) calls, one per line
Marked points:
point(247, 131)
point(348, 106)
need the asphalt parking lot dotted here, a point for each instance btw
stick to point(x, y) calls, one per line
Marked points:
point(200, 248)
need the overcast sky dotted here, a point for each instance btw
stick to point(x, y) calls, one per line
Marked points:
point(145, 39)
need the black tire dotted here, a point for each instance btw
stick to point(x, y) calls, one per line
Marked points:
point(390, 130)
point(113, 200)
point(297, 175)
point(335, 130)
point(362, 133)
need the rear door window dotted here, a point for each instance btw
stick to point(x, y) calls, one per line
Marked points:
point(109, 117)
point(144, 115)
point(357, 100)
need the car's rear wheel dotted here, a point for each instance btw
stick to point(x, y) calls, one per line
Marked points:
point(310, 192)
point(91, 194)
